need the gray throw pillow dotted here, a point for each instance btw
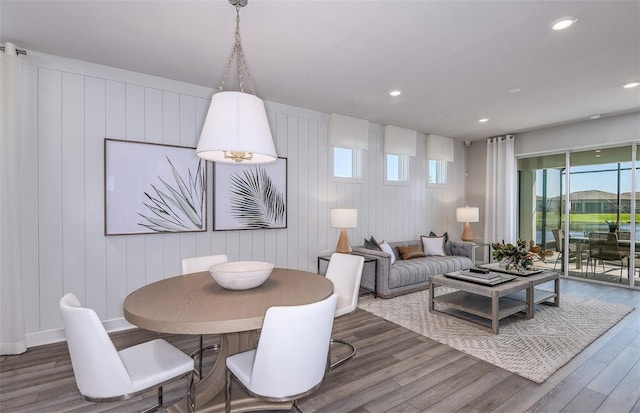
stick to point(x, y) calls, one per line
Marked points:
point(371, 244)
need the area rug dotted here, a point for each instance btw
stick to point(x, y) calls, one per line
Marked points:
point(532, 348)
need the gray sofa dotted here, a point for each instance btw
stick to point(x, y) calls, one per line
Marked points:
point(406, 276)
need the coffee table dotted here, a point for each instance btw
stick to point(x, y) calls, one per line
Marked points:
point(493, 302)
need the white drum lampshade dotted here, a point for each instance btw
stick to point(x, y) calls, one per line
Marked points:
point(467, 214)
point(343, 218)
point(236, 129)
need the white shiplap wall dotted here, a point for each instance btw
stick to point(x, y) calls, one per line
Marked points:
point(69, 107)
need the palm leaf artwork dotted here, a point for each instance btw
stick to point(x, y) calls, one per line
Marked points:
point(177, 207)
point(255, 200)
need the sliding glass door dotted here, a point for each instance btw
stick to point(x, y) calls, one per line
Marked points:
point(600, 218)
point(541, 191)
point(601, 224)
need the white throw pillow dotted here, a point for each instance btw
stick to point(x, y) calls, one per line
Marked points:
point(433, 246)
point(387, 248)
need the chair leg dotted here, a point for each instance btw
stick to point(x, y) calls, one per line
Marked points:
point(200, 354)
point(295, 407)
point(345, 359)
point(191, 397)
point(158, 406)
point(227, 398)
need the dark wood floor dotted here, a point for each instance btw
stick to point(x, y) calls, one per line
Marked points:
point(395, 370)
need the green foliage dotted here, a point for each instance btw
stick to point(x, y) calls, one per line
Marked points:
point(255, 201)
point(179, 207)
point(517, 257)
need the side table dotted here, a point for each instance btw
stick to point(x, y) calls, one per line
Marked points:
point(480, 247)
point(322, 269)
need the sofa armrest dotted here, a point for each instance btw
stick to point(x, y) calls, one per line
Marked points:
point(464, 248)
point(379, 280)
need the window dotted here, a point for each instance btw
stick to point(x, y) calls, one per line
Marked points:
point(397, 168)
point(437, 172)
point(588, 196)
point(347, 163)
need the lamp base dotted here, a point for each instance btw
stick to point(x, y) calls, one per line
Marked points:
point(343, 247)
point(467, 235)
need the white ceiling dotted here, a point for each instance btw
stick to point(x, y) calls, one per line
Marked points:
point(455, 61)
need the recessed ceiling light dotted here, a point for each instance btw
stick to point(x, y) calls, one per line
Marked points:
point(483, 120)
point(598, 150)
point(595, 116)
point(515, 90)
point(395, 92)
point(563, 23)
point(631, 85)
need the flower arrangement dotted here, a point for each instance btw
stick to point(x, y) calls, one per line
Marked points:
point(517, 257)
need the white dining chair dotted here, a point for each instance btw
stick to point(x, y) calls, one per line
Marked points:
point(104, 374)
point(290, 360)
point(198, 264)
point(203, 263)
point(345, 272)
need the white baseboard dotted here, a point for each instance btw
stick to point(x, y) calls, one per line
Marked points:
point(56, 335)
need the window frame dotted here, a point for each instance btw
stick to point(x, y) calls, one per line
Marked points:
point(442, 169)
point(403, 170)
point(357, 165)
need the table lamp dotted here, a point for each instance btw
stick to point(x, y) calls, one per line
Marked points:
point(467, 214)
point(343, 218)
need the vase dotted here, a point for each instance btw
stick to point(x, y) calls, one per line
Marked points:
point(513, 264)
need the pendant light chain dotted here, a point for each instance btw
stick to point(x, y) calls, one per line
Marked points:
point(242, 70)
point(236, 128)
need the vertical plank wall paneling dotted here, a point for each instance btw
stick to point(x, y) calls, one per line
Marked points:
point(95, 262)
point(73, 208)
point(115, 126)
point(77, 104)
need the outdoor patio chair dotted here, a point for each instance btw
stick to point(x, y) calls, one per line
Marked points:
point(558, 235)
point(604, 246)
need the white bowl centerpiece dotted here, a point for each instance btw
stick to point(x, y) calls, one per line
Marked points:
point(241, 275)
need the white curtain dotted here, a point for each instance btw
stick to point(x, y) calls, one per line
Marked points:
point(12, 329)
point(500, 201)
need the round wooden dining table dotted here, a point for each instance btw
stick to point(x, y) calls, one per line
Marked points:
point(196, 304)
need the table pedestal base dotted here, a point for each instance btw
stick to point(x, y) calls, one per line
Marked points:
point(210, 391)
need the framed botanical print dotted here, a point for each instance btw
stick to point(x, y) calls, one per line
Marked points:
point(250, 196)
point(152, 188)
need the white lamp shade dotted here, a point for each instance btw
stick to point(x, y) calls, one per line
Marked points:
point(467, 214)
point(343, 218)
point(237, 122)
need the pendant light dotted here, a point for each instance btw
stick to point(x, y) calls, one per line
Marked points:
point(236, 129)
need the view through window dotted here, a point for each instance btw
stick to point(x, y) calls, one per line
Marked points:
point(601, 232)
point(347, 163)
